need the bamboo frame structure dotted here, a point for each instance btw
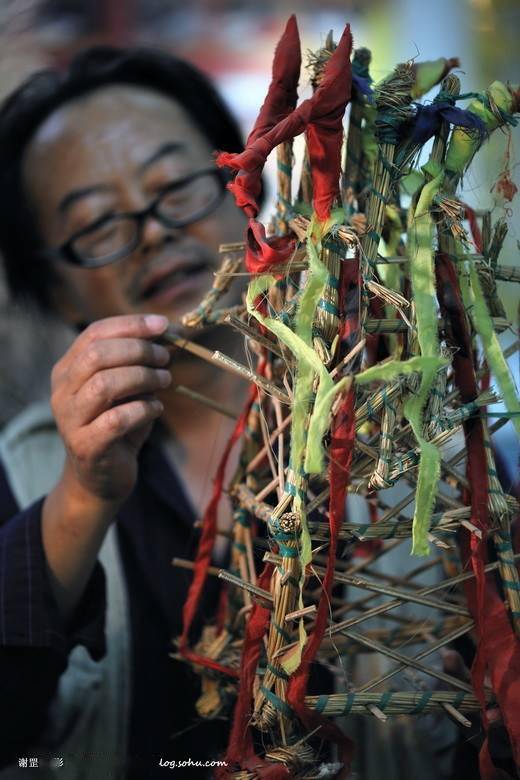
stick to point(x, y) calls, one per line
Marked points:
point(404, 617)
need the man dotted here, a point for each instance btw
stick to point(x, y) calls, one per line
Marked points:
point(112, 214)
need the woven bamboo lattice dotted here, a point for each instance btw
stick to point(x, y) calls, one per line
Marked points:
point(371, 326)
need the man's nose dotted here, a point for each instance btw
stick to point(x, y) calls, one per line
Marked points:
point(155, 234)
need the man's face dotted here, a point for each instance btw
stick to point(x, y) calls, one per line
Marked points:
point(111, 152)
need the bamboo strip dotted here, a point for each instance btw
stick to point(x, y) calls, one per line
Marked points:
point(284, 158)
point(254, 334)
point(409, 661)
point(431, 648)
point(397, 326)
point(205, 400)
point(382, 608)
point(171, 338)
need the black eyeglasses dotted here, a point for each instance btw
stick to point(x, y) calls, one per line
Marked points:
point(115, 236)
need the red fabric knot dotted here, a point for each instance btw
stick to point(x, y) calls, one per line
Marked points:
point(279, 121)
point(264, 254)
point(280, 101)
point(325, 131)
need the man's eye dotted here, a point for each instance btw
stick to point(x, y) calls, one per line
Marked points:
point(193, 196)
point(106, 239)
point(175, 197)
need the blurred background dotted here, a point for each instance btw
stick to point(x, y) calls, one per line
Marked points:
point(233, 41)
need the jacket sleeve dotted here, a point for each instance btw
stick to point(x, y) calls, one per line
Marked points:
point(34, 639)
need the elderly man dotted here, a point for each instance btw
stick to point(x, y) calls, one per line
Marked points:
point(112, 215)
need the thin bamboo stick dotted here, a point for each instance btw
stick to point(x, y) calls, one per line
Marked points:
point(431, 648)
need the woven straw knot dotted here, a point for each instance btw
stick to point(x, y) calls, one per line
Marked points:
point(289, 521)
point(294, 757)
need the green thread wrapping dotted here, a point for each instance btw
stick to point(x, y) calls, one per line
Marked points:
point(277, 672)
point(283, 633)
point(423, 701)
point(385, 699)
point(351, 697)
point(321, 703)
point(309, 364)
point(284, 168)
point(277, 702)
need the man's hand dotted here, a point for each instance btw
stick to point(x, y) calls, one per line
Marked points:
point(103, 401)
point(104, 404)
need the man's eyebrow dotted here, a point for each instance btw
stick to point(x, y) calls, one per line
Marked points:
point(74, 195)
point(171, 147)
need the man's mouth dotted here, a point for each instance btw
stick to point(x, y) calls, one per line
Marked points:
point(168, 278)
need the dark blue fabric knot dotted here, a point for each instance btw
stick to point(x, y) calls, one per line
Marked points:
point(428, 120)
point(361, 85)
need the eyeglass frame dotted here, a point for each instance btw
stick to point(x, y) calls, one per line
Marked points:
point(67, 253)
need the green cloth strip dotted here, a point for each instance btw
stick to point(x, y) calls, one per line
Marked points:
point(396, 368)
point(422, 275)
point(492, 349)
point(306, 447)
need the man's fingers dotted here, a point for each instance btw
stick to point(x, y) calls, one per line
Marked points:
point(125, 326)
point(113, 353)
point(108, 387)
point(137, 326)
point(118, 422)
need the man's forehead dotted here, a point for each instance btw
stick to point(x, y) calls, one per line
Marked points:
point(119, 104)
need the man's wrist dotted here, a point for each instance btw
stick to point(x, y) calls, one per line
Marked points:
point(76, 501)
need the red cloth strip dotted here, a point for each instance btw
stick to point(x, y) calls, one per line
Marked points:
point(280, 101)
point(325, 133)
point(320, 109)
point(205, 548)
point(498, 649)
point(476, 234)
point(282, 94)
point(264, 253)
point(241, 750)
point(341, 448)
